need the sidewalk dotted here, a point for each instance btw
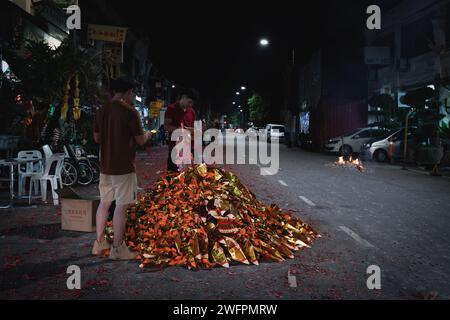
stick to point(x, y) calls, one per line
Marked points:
point(35, 252)
point(445, 172)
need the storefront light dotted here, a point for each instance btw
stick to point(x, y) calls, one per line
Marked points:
point(52, 42)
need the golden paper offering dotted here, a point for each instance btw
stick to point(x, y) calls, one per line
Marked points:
point(218, 255)
point(183, 217)
point(234, 249)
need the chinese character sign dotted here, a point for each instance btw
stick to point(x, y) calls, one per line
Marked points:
point(106, 33)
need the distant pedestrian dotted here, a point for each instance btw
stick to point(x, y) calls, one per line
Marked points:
point(162, 135)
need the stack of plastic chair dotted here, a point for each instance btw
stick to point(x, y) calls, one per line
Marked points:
point(29, 169)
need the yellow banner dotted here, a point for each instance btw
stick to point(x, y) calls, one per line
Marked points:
point(155, 107)
point(107, 33)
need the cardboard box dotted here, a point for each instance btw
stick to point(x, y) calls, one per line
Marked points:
point(77, 212)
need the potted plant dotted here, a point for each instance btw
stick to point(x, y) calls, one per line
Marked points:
point(425, 103)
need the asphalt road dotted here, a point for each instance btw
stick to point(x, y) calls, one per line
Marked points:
point(394, 219)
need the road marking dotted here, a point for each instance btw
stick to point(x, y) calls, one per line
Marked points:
point(283, 183)
point(292, 280)
point(356, 237)
point(307, 201)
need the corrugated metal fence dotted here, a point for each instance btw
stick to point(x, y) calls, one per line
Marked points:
point(333, 118)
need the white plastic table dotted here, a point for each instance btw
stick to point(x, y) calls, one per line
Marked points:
point(11, 163)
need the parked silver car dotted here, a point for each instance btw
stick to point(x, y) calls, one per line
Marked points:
point(379, 150)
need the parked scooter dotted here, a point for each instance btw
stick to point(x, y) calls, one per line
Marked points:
point(92, 160)
point(77, 168)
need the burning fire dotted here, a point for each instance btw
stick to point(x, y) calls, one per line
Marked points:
point(350, 163)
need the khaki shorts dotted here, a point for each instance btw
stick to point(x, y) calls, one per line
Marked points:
point(121, 188)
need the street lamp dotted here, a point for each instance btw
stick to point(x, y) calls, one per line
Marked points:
point(238, 93)
point(173, 86)
point(264, 42)
point(243, 88)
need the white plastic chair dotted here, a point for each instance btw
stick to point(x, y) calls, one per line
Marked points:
point(48, 152)
point(29, 169)
point(46, 176)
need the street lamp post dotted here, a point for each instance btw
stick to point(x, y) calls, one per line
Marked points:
point(264, 43)
point(242, 105)
point(405, 147)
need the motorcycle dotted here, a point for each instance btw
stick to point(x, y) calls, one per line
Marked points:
point(77, 168)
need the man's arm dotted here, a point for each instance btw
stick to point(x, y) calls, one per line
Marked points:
point(142, 139)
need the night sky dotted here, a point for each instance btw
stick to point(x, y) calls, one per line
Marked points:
point(214, 45)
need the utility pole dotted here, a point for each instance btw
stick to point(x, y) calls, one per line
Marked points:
point(293, 56)
point(74, 34)
point(405, 149)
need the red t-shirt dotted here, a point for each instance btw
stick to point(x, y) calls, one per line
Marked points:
point(180, 117)
point(189, 117)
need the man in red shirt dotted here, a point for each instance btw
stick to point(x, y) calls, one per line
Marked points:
point(180, 114)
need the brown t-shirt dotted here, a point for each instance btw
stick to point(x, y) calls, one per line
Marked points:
point(117, 123)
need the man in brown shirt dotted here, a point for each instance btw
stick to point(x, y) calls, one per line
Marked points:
point(118, 130)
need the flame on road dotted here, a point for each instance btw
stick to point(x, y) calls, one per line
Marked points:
point(350, 163)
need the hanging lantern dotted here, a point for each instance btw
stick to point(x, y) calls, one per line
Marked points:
point(65, 107)
point(76, 99)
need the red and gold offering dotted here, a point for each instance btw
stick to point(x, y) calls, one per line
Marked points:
point(204, 217)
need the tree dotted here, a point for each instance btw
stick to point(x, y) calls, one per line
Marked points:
point(385, 110)
point(44, 72)
point(235, 118)
point(258, 109)
point(425, 103)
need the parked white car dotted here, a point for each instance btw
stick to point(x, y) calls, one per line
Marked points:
point(275, 131)
point(379, 149)
point(352, 142)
